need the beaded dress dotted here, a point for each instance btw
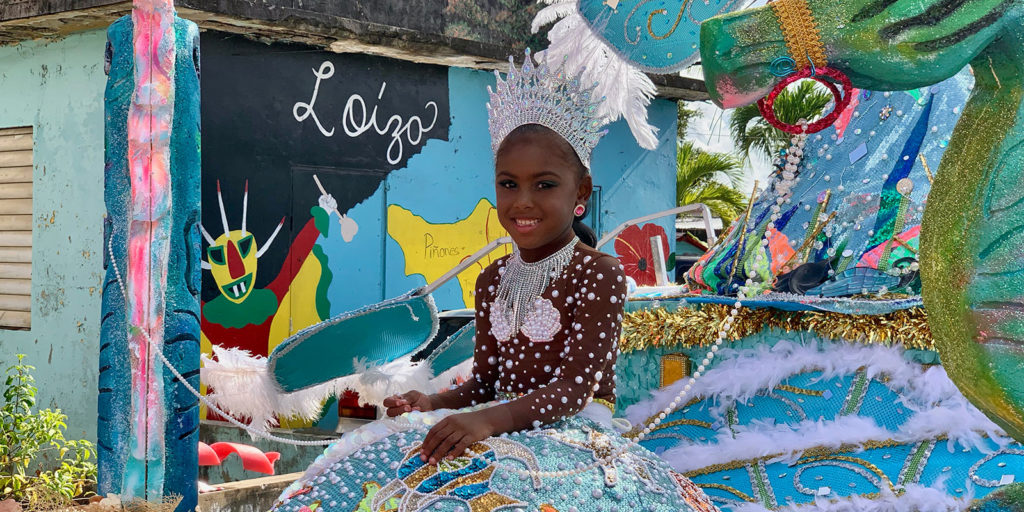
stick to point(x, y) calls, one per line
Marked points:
point(555, 374)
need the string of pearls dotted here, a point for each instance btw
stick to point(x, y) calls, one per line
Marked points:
point(790, 164)
point(156, 348)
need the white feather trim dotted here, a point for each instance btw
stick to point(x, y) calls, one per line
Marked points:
point(916, 498)
point(940, 409)
point(743, 373)
point(552, 13)
point(374, 382)
point(244, 388)
point(627, 90)
point(787, 442)
point(784, 441)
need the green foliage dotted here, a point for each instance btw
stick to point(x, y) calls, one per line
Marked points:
point(29, 439)
point(684, 115)
point(751, 132)
point(699, 177)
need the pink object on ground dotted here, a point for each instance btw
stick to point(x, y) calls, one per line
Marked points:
point(207, 457)
point(253, 459)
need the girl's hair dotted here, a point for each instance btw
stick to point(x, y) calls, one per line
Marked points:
point(583, 231)
point(568, 153)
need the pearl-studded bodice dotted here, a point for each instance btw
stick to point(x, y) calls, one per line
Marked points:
point(562, 356)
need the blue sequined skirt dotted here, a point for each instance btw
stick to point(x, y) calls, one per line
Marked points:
point(377, 468)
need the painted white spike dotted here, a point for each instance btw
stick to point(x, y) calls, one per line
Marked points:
point(206, 234)
point(245, 207)
point(270, 240)
point(223, 216)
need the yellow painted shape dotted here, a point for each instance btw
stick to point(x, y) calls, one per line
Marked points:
point(303, 294)
point(432, 249)
point(298, 305)
point(279, 330)
point(205, 347)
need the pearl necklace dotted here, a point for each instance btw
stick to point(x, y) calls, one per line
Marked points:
point(522, 283)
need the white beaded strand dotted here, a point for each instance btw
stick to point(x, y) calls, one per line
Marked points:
point(790, 181)
point(153, 346)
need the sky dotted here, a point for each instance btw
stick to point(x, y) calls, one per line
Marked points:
point(710, 131)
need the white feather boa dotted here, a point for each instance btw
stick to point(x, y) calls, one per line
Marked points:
point(243, 387)
point(743, 373)
point(627, 90)
point(916, 498)
point(940, 409)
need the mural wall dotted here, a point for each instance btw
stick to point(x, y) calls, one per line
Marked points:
point(333, 181)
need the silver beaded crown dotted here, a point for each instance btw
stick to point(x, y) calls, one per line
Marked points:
point(536, 95)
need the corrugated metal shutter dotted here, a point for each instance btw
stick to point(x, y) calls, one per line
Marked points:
point(15, 228)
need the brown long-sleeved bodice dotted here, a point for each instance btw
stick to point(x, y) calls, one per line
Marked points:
point(563, 356)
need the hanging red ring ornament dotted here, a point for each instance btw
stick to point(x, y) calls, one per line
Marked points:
point(766, 105)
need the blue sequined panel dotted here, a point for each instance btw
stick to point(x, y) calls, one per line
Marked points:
point(887, 465)
point(377, 468)
point(880, 469)
point(660, 37)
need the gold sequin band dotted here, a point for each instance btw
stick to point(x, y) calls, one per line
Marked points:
point(697, 326)
point(801, 33)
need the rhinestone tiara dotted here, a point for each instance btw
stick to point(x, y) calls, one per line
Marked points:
point(536, 95)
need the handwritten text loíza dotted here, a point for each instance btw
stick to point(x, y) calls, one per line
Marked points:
point(355, 121)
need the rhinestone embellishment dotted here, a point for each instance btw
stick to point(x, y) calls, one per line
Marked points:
point(536, 95)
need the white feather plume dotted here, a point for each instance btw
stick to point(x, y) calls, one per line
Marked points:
point(940, 410)
point(743, 373)
point(555, 11)
point(243, 387)
point(627, 90)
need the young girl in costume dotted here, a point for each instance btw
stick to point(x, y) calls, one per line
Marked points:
point(532, 428)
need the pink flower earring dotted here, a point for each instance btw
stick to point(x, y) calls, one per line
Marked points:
point(579, 210)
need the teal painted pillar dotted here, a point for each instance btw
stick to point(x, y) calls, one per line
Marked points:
point(148, 420)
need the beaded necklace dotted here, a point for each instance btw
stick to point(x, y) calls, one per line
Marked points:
point(522, 283)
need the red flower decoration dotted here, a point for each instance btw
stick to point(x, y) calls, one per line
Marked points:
point(633, 246)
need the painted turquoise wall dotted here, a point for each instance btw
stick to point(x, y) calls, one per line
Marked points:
point(57, 88)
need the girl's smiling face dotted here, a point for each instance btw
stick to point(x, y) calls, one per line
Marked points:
point(539, 180)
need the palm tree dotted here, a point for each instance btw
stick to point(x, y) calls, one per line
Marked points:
point(751, 132)
point(699, 179)
point(684, 115)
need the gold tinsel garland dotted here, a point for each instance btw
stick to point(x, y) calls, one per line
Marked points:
point(699, 326)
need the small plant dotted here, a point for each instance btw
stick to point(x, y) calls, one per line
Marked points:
point(30, 441)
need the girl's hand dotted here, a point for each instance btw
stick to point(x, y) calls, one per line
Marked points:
point(453, 435)
point(408, 402)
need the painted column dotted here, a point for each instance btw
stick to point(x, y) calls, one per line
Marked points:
point(148, 420)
